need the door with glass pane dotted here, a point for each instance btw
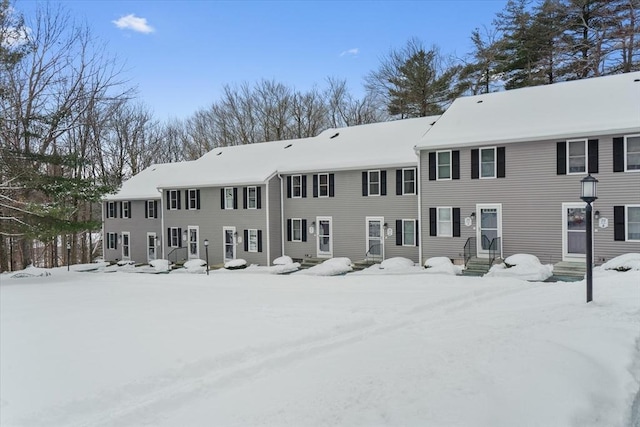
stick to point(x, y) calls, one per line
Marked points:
point(574, 240)
point(489, 229)
point(151, 246)
point(375, 238)
point(325, 240)
point(194, 249)
point(126, 241)
point(229, 239)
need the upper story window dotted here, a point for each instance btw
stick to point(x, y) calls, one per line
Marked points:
point(296, 186)
point(193, 199)
point(126, 209)
point(443, 165)
point(252, 198)
point(323, 185)
point(151, 209)
point(487, 163)
point(174, 200)
point(374, 183)
point(577, 156)
point(408, 181)
point(632, 153)
point(111, 210)
point(228, 198)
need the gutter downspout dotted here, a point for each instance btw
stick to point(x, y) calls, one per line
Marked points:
point(281, 215)
point(104, 253)
point(419, 189)
point(162, 242)
point(268, 229)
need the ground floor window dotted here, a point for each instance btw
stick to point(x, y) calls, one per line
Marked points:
point(633, 222)
point(112, 240)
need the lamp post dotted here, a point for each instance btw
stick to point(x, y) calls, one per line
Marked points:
point(68, 255)
point(589, 195)
point(206, 251)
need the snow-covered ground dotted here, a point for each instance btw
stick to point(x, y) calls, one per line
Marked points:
point(236, 349)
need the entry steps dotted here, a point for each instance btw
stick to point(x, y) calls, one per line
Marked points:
point(477, 267)
point(568, 272)
point(312, 262)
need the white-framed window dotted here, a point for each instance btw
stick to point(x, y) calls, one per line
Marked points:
point(296, 186)
point(577, 152)
point(409, 181)
point(111, 210)
point(323, 185)
point(174, 238)
point(374, 183)
point(252, 198)
point(253, 240)
point(488, 162)
point(192, 201)
point(445, 222)
point(632, 153)
point(632, 226)
point(296, 230)
point(408, 232)
point(151, 209)
point(443, 165)
point(173, 200)
point(112, 240)
point(126, 209)
point(126, 242)
point(228, 198)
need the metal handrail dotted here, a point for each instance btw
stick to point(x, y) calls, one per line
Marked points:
point(495, 247)
point(369, 257)
point(470, 249)
point(173, 255)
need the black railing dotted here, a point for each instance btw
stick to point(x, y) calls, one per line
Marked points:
point(495, 250)
point(470, 249)
point(373, 257)
point(176, 255)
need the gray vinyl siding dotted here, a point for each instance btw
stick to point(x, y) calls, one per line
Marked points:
point(211, 220)
point(348, 210)
point(275, 219)
point(531, 195)
point(138, 226)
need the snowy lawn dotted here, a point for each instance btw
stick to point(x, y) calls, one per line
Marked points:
point(118, 349)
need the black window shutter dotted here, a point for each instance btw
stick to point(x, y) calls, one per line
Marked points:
point(562, 158)
point(456, 222)
point(130, 211)
point(179, 199)
point(288, 187)
point(618, 154)
point(259, 197)
point(475, 163)
point(246, 240)
point(315, 185)
point(244, 197)
point(433, 224)
point(169, 237)
point(120, 204)
point(399, 232)
point(235, 198)
point(398, 182)
point(332, 183)
point(593, 155)
point(432, 166)
point(304, 186)
point(155, 209)
point(618, 223)
point(288, 230)
point(146, 208)
point(502, 162)
point(417, 232)
point(455, 164)
point(259, 240)
point(197, 199)
point(383, 183)
point(115, 243)
point(365, 184)
point(304, 230)
point(168, 201)
point(179, 235)
point(187, 202)
point(222, 198)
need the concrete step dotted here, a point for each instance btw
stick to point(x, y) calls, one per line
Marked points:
point(569, 271)
point(310, 262)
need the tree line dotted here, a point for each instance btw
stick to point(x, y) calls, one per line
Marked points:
point(72, 127)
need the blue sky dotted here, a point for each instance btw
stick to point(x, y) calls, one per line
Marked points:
point(181, 53)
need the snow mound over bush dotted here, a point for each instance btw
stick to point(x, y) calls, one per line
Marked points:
point(193, 266)
point(283, 260)
point(125, 262)
point(30, 271)
point(160, 264)
point(93, 266)
point(624, 262)
point(522, 266)
point(397, 263)
point(274, 269)
point(331, 267)
point(441, 265)
point(235, 264)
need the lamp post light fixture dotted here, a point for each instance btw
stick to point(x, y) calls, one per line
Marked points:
point(68, 255)
point(206, 250)
point(589, 194)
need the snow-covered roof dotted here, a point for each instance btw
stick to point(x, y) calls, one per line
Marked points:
point(589, 107)
point(373, 145)
point(144, 185)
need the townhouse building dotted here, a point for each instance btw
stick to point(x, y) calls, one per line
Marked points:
point(500, 172)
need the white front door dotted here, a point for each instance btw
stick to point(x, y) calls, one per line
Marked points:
point(375, 237)
point(194, 248)
point(488, 228)
point(126, 243)
point(229, 242)
point(324, 239)
point(151, 246)
point(574, 229)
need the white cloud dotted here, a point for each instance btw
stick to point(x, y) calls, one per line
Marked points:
point(132, 22)
point(353, 52)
